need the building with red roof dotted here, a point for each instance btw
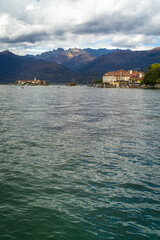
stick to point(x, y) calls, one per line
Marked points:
point(122, 78)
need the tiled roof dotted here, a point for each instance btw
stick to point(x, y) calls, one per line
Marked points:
point(124, 73)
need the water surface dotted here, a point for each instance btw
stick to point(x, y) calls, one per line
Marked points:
point(79, 163)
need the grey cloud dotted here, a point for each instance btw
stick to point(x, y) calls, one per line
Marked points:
point(124, 44)
point(59, 33)
point(30, 38)
point(113, 24)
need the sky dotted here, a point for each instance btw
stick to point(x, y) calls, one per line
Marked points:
point(35, 26)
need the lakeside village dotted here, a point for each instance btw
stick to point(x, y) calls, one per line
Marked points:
point(122, 79)
point(34, 82)
point(126, 79)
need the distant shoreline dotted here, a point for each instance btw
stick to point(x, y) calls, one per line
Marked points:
point(64, 84)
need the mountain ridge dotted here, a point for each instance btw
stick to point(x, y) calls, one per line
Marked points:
point(136, 60)
point(73, 58)
point(14, 67)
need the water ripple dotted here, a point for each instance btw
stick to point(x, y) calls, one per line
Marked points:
point(79, 163)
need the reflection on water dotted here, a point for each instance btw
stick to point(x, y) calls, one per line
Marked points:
point(79, 163)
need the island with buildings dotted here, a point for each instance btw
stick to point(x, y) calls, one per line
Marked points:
point(34, 82)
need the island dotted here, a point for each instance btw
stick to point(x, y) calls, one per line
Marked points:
point(34, 82)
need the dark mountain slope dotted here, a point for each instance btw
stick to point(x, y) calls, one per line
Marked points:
point(13, 67)
point(122, 59)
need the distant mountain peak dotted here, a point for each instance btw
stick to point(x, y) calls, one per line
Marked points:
point(74, 48)
point(60, 49)
point(7, 52)
point(155, 49)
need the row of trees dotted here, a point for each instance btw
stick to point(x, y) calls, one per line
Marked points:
point(152, 76)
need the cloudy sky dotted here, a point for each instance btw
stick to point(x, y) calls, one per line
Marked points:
point(34, 26)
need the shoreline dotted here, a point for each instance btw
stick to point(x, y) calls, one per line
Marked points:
point(157, 86)
point(96, 86)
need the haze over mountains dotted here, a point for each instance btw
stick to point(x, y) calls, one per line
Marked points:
point(83, 65)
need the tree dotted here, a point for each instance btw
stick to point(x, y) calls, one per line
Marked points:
point(97, 81)
point(152, 76)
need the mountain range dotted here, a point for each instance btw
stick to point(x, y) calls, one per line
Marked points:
point(84, 65)
point(123, 59)
point(73, 58)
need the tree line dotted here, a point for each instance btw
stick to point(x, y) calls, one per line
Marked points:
point(152, 76)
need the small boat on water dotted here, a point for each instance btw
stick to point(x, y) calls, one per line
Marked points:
point(73, 83)
point(21, 87)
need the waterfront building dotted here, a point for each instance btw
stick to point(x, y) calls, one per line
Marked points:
point(122, 78)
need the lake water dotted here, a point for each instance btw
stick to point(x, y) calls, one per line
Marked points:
point(79, 163)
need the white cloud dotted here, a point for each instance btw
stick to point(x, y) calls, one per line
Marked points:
point(131, 41)
point(30, 7)
point(4, 18)
point(79, 23)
